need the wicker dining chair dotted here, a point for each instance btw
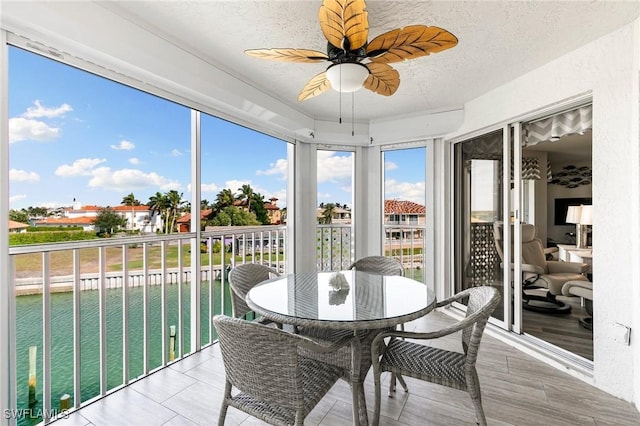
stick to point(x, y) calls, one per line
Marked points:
point(378, 265)
point(386, 266)
point(243, 278)
point(272, 380)
point(447, 368)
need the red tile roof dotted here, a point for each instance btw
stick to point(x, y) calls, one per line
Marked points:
point(17, 225)
point(403, 207)
point(82, 220)
point(187, 217)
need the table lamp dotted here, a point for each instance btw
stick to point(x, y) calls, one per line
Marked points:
point(585, 220)
point(573, 216)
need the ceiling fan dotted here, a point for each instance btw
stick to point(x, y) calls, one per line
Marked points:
point(354, 62)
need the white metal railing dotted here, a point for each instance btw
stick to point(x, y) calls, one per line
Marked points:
point(407, 244)
point(152, 268)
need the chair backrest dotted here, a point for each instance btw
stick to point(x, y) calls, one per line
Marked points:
point(243, 278)
point(482, 301)
point(378, 265)
point(532, 247)
point(261, 361)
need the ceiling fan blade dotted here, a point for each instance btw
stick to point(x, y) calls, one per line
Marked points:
point(317, 85)
point(409, 43)
point(344, 19)
point(383, 79)
point(288, 55)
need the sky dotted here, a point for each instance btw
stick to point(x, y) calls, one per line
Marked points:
point(74, 135)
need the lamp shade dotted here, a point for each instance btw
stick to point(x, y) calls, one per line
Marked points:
point(573, 214)
point(586, 215)
point(347, 77)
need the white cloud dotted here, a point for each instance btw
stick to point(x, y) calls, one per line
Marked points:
point(38, 110)
point(129, 179)
point(333, 168)
point(405, 191)
point(80, 167)
point(23, 176)
point(390, 165)
point(234, 185)
point(324, 196)
point(135, 161)
point(123, 146)
point(17, 198)
point(209, 187)
point(278, 168)
point(175, 153)
point(21, 129)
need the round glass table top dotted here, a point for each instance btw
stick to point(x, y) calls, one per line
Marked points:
point(341, 300)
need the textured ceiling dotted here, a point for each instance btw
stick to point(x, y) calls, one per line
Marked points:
point(498, 41)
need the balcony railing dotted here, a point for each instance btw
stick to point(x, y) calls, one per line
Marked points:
point(94, 334)
point(103, 313)
point(406, 243)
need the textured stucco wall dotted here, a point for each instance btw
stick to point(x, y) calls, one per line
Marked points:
point(608, 69)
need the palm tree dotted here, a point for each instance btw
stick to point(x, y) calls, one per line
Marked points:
point(158, 203)
point(225, 198)
point(327, 214)
point(130, 200)
point(246, 193)
point(174, 203)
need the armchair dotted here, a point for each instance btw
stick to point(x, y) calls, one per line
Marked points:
point(425, 362)
point(538, 272)
point(243, 278)
point(274, 382)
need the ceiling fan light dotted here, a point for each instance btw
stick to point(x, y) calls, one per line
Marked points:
point(347, 77)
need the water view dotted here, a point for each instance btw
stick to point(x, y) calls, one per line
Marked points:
point(29, 333)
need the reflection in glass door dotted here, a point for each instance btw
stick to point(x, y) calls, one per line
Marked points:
point(478, 207)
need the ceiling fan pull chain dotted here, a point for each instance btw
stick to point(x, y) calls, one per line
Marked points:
point(353, 113)
point(340, 96)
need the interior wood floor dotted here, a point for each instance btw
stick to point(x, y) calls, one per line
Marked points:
point(516, 389)
point(561, 330)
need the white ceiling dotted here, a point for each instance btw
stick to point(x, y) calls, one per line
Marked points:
point(498, 41)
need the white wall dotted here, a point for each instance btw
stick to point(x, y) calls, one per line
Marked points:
point(608, 69)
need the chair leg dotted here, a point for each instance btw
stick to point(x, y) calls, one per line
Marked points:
point(355, 401)
point(473, 386)
point(392, 385)
point(378, 391)
point(225, 404)
point(223, 413)
point(402, 382)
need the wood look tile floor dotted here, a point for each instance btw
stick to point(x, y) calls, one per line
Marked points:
point(516, 389)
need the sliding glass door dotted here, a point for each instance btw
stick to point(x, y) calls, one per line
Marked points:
point(479, 213)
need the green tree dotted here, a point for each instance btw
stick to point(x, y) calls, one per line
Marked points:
point(246, 194)
point(174, 206)
point(327, 214)
point(19, 216)
point(158, 204)
point(131, 201)
point(108, 221)
point(205, 204)
point(37, 211)
point(234, 216)
point(225, 198)
point(257, 207)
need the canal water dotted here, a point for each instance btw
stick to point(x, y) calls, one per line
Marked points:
point(29, 333)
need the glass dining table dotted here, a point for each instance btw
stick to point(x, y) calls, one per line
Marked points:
point(351, 300)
